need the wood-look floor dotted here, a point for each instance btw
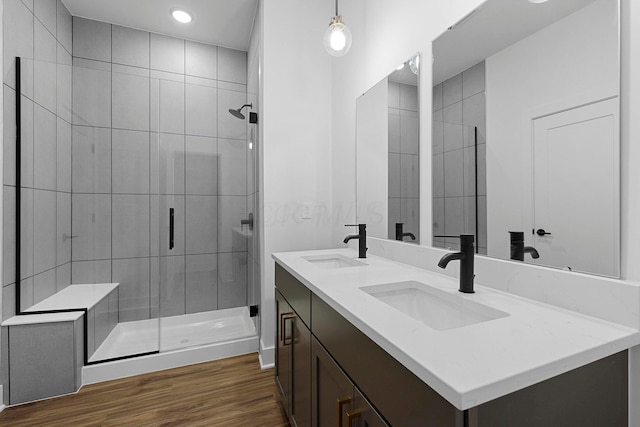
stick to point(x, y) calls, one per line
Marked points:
point(230, 392)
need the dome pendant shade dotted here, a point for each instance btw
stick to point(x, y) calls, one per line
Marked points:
point(337, 38)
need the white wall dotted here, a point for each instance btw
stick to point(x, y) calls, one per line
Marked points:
point(541, 74)
point(346, 88)
point(296, 138)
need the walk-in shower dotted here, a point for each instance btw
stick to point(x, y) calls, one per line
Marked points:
point(137, 176)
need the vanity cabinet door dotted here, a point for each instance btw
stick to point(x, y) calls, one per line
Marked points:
point(300, 374)
point(363, 414)
point(293, 363)
point(332, 393)
point(283, 349)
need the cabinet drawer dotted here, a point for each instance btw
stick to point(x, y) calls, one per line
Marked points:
point(296, 294)
point(403, 398)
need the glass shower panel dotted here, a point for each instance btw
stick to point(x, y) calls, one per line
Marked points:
point(457, 185)
point(112, 197)
point(202, 203)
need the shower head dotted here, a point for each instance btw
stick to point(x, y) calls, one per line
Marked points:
point(238, 113)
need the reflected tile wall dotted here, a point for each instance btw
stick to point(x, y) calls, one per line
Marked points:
point(458, 119)
point(404, 175)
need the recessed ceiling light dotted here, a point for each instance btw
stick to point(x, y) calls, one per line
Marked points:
point(181, 16)
point(538, 1)
point(400, 67)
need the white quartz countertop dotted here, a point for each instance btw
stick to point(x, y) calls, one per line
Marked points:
point(469, 365)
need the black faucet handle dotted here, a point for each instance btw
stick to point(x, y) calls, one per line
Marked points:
point(361, 227)
point(467, 239)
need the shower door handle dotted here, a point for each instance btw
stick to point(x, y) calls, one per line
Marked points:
point(171, 228)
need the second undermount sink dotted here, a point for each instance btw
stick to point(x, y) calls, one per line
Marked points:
point(329, 261)
point(435, 308)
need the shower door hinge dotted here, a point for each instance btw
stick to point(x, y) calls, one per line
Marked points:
point(253, 311)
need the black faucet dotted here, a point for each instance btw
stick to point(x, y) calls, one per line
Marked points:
point(362, 239)
point(518, 249)
point(400, 235)
point(465, 256)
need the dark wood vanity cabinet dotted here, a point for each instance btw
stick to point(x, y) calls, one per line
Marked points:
point(335, 401)
point(312, 380)
point(332, 374)
point(293, 363)
point(400, 397)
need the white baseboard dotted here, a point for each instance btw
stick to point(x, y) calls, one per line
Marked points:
point(267, 356)
point(2, 406)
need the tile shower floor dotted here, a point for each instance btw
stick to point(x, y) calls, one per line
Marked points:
point(175, 332)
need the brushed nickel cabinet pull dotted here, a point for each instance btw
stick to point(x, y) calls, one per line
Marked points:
point(286, 316)
point(352, 415)
point(339, 405)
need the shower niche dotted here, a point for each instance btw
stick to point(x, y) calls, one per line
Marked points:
point(135, 189)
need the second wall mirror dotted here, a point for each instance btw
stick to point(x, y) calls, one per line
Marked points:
point(387, 155)
point(526, 133)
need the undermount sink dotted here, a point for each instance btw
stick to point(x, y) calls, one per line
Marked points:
point(435, 308)
point(333, 261)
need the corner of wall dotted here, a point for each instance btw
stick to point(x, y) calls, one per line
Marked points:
point(267, 356)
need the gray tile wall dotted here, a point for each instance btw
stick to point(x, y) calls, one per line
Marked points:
point(404, 175)
point(151, 131)
point(41, 33)
point(458, 108)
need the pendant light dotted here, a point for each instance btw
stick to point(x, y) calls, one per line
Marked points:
point(337, 38)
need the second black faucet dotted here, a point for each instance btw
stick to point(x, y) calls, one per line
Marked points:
point(465, 256)
point(362, 239)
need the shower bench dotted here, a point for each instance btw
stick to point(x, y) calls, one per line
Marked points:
point(52, 340)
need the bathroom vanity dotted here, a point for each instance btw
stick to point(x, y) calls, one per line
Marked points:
point(357, 346)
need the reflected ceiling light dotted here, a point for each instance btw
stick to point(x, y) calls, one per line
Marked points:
point(414, 64)
point(337, 38)
point(400, 67)
point(181, 16)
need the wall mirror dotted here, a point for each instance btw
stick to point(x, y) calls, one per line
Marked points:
point(387, 162)
point(525, 146)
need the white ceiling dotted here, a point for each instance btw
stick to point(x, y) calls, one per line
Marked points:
point(225, 23)
point(495, 25)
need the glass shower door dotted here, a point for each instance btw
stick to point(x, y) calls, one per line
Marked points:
point(201, 204)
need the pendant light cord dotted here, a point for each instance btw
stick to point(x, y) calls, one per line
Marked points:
point(336, 7)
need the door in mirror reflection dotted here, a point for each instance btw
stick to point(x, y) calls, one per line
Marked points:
point(575, 220)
